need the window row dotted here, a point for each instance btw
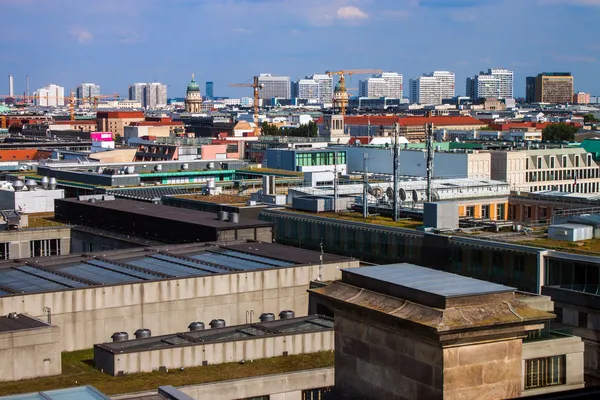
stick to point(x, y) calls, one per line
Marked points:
point(562, 174)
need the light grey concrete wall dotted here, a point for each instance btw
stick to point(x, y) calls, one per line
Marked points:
point(20, 239)
point(572, 347)
point(287, 386)
point(92, 315)
point(37, 201)
point(215, 353)
point(30, 353)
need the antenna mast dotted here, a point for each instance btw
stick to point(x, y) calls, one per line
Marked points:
point(335, 182)
point(365, 188)
point(396, 173)
point(320, 278)
point(429, 133)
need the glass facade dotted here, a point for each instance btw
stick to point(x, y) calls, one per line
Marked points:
point(574, 274)
point(547, 371)
point(318, 158)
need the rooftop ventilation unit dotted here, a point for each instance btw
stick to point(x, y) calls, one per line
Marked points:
point(266, 317)
point(18, 185)
point(45, 182)
point(217, 323)
point(143, 333)
point(196, 326)
point(119, 336)
point(30, 184)
point(286, 314)
point(52, 183)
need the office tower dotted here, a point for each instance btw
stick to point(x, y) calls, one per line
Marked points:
point(209, 91)
point(86, 92)
point(582, 98)
point(530, 89)
point(50, 96)
point(446, 79)
point(274, 86)
point(426, 90)
point(136, 91)
point(11, 86)
point(318, 88)
point(155, 95)
point(554, 87)
point(388, 84)
point(493, 83)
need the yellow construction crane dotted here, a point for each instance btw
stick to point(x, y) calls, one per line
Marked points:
point(340, 96)
point(256, 86)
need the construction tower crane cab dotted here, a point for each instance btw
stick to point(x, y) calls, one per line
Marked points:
point(256, 86)
point(340, 95)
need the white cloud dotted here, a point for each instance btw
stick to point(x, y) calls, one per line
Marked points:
point(82, 34)
point(351, 13)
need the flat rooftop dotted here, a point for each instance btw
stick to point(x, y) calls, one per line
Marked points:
point(159, 211)
point(75, 393)
point(21, 322)
point(312, 323)
point(422, 285)
point(80, 271)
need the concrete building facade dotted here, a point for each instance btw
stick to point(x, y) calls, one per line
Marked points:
point(554, 87)
point(50, 96)
point(155, 95)
point(582, 98)
point(494, 83)
point(86, 92)
point(136, 91)
point(116, 121)
point(447, 80)
point(387, 84)
point(274, 87)
point(426, 90)
point(318, 88)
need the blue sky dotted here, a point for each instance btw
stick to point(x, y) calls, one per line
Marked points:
point(118, 42)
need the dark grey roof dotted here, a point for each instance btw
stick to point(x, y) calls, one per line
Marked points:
point(22, 322)
point(311, 323)
point(422, 285)
point(151, 193)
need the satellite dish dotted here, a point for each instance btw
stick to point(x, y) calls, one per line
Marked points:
point(375, 191)
point(415, 196)
point(402, 194)
point(435, 196)
point(390, 194)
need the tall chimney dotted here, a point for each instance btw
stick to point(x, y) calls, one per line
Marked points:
point(11, 86)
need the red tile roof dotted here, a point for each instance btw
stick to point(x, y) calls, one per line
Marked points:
point(76, 122)
point(441, 121)
point(120, 114)
point(157, 123)
point(535, 125)
point(23, 154)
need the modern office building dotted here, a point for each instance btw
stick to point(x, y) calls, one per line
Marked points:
point(274, 87)
point(87, 91)
point(425, 90)
point(136, 91)
point(582, 98)
point(155, 95)
point(317, 88)
point(387, 84)
point(50, 96)
point(447, 80)
point(552, 87)
point(530, 89)
point(209, 91)
point(493, 83)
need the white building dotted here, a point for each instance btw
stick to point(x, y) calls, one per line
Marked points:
point(495, 83)
point(11, 86)
point(318, 88)
point(274, 86)
point(155, 95)
point(426, 90)
point(136, 91)
point(388, 84)
point(87, 91)
point(50, 96)
point(447, 80)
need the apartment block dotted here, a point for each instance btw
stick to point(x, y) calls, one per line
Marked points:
point(274, 87)
point(387, 84)
point(552, 87)
point(447, 80)
point(50, 96)
point(86, 92)
point(425, 90)
point(116, 121)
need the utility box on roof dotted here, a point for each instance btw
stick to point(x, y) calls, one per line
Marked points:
point(570, 232)
point(441, 215)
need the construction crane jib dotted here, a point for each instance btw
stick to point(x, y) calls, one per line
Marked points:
point(256, 86)
point(340, 99)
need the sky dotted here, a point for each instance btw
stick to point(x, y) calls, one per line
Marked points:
point(117, 42)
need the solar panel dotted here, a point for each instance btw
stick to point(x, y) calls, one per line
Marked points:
point(252, 257)
point(228, 261)
point(95, 274)
point(119, 268)
point(45, 274)
point(23, 282)
point(165, 267)
point(192, 264)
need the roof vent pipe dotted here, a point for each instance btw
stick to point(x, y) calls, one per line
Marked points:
point(266, 317)
point(196, 326)
point(52, 183)
point(45, 182)
point(143, 333)
point(217, 323)
point(119, 336)
point(286, 314)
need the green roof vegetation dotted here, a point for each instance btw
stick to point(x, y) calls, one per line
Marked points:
point(43, 221)
point(78, 369)
point(591, 247)
point(374, 219)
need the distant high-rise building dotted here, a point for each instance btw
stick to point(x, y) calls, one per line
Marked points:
point(11, 86)
point(86, 92)
point(554, 87)
point(209, 91)
point(387, 84)
point(136, 91)
point(274, 86)
point(447, 80)
point(50, 96)
point(495, 83)
point(426, 90)
point(530, 89)
point(155, 95)
point(318, 87)
point(582, 98)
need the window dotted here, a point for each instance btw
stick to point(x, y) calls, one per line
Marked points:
point(44, 247)
point(576, 161)
point(551, 161)
point(500, 211)
point(539, 162)
point(485, 211)
point(470, 211)
point(582, 320)
point(547, 371)
point(4, 251)
point(315, 394)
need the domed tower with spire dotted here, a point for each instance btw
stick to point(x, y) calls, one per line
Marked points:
point(193, 97)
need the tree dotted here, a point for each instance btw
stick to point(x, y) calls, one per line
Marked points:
point(269, 130)
point(560, 131)
point(589, 118)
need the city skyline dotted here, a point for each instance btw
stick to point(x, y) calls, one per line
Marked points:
point(302, 40)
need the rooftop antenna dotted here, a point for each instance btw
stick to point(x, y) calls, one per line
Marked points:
point(429, 163)
point(320, 278)
point(396, 172)
point(365, 188)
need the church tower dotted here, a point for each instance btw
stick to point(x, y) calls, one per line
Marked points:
point(193, 98)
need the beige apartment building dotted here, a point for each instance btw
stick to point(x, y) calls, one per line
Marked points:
point(116, 121)
point(566, 170)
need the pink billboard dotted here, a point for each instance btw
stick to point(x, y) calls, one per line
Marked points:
point(101, 136)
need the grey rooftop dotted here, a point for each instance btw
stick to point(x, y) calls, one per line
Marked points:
point(75, 393)
point(18, 322)
point(422, 285)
